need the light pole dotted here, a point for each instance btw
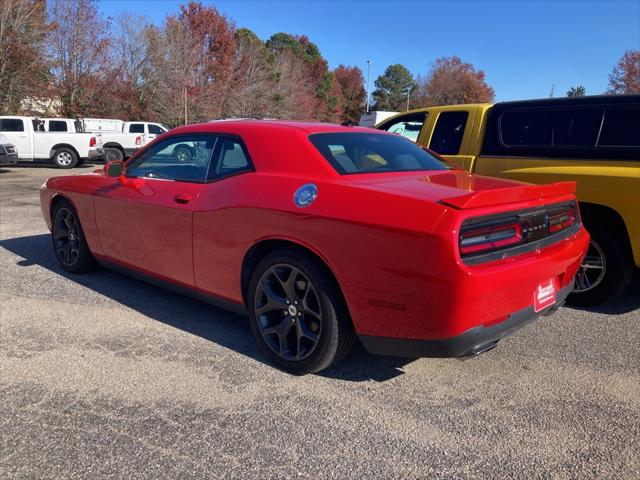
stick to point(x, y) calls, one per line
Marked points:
point(368, 82)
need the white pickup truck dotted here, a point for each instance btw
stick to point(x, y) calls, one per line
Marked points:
point(122, 139)
point(65, 149)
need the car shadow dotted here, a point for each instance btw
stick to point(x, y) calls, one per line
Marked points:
point(227, 329)
point(626, 302)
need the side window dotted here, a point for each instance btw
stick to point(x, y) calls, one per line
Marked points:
point(408, 126)
point(447, 136)
point(136, 128)
point(155, 129)
point(231, 157)
point(57, 126)
point(621, 128)
point(183, 158)
point(11, 125)
point(575, 127)
point(525, 129)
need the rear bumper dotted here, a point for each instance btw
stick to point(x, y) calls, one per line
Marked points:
point(471, 342)
point(96, 153)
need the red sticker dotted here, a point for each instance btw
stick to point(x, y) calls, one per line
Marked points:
point(545, 295)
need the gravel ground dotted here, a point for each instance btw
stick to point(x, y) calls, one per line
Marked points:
point(102, 376)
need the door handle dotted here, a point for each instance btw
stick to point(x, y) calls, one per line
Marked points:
point(182, 198)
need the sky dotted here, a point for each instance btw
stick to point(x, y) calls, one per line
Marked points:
point(525, 48)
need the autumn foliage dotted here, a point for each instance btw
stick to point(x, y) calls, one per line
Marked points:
point(452, 81)
point(625, 78)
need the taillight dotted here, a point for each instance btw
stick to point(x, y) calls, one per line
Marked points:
point(561, 219)
point(138, 140)
point(92, 142)
point(482, 235)
point(475, 240)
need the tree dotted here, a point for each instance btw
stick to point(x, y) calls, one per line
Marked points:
point(23, 66)
point(625, 78)
point(253, 77)
point(392, 88)
point(79, 52)
point(578, 91)
point(351, 83)
point(452, 81)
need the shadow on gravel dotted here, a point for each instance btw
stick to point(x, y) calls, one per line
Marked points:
point(626, 302)
point(227, 329)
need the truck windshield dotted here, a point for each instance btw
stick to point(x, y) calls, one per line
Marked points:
point(356, 152)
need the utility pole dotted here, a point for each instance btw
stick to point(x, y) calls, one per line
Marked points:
point(553, 87)
point(185, 105)
point(408, 93)
point(368, 82)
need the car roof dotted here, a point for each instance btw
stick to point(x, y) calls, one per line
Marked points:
point(232, 125)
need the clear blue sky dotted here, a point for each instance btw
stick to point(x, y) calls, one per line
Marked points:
point(524, 47)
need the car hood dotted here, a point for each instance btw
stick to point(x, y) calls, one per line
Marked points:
point(460, 189)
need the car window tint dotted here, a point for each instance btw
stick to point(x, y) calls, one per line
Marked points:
point(372, 153)
point(136, 128)
point(231, 157)
point(184, 158)
point(575, 127)
point(11, 125)
point(57, 126)
point(155, 129)
point(525, 128)
point(621, 127)
point(447, 136)
point(409, 126)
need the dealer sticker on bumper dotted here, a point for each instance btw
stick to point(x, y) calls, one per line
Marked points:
point(545, 295)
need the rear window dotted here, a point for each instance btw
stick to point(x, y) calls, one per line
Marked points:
point(57, 126)
point(136, 128)
point(11, 125)
point(372, 153)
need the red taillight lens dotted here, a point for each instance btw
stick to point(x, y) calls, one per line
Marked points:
point(489, 238)
point(138, 140)
point(92, 142)
point(561, 219)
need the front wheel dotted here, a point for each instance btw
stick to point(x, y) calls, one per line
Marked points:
point(297, 314)
point(65, 158)
point(113, 154)
point(605, 271)
point(69, 242)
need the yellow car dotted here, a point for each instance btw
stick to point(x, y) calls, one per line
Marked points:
point(594, 141)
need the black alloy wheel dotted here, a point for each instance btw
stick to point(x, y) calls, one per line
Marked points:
point(69, 244)
point(288, 312)
point(297, 313)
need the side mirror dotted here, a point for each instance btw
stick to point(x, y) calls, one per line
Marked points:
point(114, 169)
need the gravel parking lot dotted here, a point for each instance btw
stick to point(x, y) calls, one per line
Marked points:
point(104, 376)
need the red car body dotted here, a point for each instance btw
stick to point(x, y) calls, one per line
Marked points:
point(391, 240)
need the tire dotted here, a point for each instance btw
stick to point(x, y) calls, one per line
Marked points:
point(65, 158)
point(182, 153)
point(313, 330)
point(594, 285)
point(113, 154)
point(69, 244)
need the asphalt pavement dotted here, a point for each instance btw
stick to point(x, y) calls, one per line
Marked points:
point(102, 376)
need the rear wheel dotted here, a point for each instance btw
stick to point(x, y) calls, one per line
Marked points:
point(113, 154)
point(69, 242)
point(605, 271)
point(65, 158)
point(297, 313)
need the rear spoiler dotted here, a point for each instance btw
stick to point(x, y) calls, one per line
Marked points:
point(499, 196)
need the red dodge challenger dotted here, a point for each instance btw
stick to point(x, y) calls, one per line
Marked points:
point(322, 234)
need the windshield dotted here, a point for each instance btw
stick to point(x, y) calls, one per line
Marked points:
point(355, 152)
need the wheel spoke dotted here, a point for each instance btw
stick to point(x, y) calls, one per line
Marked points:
point(67, 252)
point(274, 301)
point(281, 330)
